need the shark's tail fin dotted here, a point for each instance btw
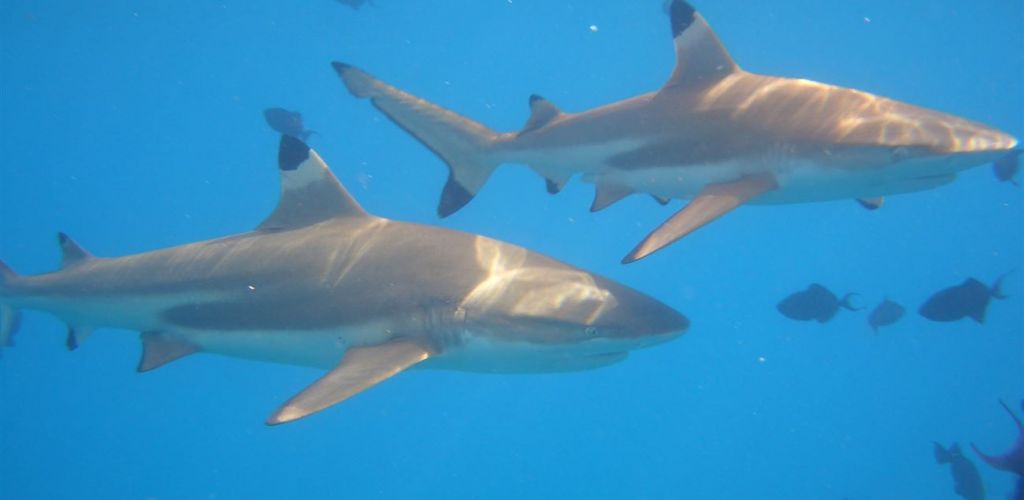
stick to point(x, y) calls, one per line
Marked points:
point(10, 317)
point(462, 143)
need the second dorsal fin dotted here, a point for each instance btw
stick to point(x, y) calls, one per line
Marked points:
point(71, 253)
point(542, 112)
point(700, 57)
point(309, 191)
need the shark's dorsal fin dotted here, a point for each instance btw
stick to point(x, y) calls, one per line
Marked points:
point(712, 202)
point(607, 194)
point(159, 348)
point(309, 191)
point(72, 253)
point(360, 369)
point(542, 112)
point(700, 57)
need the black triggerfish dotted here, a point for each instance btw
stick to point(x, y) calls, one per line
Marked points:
point(815, 303)
point(287, 123)
point(967, 300)
point(885, 314)
point(966, 479)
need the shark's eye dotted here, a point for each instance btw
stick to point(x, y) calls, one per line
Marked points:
point(590, 331)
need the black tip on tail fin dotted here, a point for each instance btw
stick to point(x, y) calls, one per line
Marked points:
point(291, 153)
point(453, 197)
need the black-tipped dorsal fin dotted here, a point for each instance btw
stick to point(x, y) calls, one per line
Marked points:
point(309, 191)
point(360, 369)
point(607, 194)
point(159, 348)
point(542, 112)
point(72, 253)
point(700, 57)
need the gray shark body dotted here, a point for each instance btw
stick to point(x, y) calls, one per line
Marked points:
point(714, 133)
point(323, 284)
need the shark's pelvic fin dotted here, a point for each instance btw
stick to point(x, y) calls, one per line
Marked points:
point(661, 199)
point(871, 203)
point(159, 348)
point(542, 112)
point(607, 194)
point(462, 143)
point(309, 191)
point(77, 336)
point(554, 180)
point(700, 57)
point(712, 202)
point(71, 253)
point(360, 369)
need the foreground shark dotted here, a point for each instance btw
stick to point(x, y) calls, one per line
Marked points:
point(713, 132)
point(321, 283)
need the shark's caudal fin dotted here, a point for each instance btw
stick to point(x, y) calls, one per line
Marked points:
point(310, 193)
point(360, 369)
point(10, 318)
point(700, 57)
point(1006, 461)
point(462, 143)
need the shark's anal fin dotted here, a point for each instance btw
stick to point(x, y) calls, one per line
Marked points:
point(159, 348)
point(712, 202)
point(72, 253)
point(542, 112)
point(871, 203)
point(360, 369)
point(77, 336)
point(309, 191)
point(700, 57)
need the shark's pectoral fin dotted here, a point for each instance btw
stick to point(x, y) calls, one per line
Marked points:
point(159, 348)
point(542, 112)
point(700, 57)
point(360, 369)
point(309, 191)
point(607, 194)
point(871, 203)
point(712, 202)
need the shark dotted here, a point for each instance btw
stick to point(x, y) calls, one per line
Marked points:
point(322, 283)
point(713, 134)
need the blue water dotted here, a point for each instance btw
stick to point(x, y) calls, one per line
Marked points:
point(135, 125)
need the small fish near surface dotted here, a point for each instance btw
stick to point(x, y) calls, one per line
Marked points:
point(287, 123)
point(713, 133)
point(1013, 459)
point(815, 303)
point(885, 314)
point(969, 299)
point(966, 478)
point(324, 284)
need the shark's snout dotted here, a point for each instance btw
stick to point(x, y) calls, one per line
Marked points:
point(637, 316)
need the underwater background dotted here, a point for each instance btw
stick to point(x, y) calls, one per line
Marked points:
point(135, 125)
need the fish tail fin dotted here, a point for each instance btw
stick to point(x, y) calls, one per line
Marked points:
point(942, 455)
point(463, 144)
point(10, 317)
point(997, 288)
point(847, 302)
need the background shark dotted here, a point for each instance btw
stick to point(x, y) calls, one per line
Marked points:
point(714, 133)
point(321, 283)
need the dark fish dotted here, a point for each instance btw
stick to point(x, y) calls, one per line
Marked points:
point(814, 303)
point(1012, 460)
point(1006, 168)
point(287, 123)
point(967, 300)
point(885, 314)
point(356, 4)
point(966, 479)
